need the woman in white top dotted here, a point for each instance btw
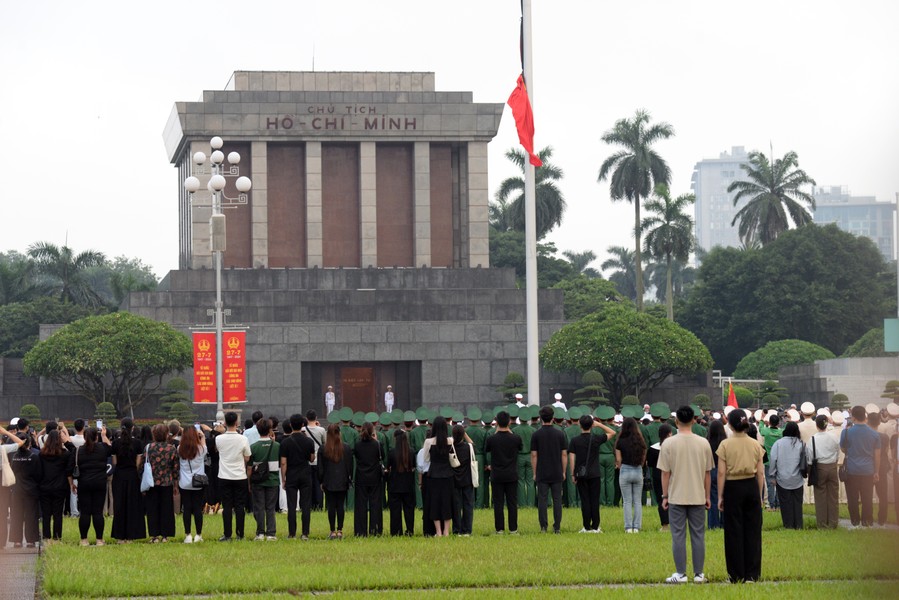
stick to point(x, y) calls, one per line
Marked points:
point(823, 449)
point(192, 457)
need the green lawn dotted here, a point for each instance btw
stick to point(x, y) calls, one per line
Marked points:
point(802, 563)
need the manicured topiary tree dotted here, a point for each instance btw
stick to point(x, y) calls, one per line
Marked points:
point(630, 400)
point(771, 401)
point(839, 402)
point(765, 362)
point(514, 383)
point(594, 390)
point(745, 396)
point(176, 391)
point(30, 412)
point(106, 411)
point(891, 390)
point(182, 412)
point(702, 401)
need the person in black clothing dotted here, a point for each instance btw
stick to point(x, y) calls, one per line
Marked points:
point(463, 505)
point(440, 477)
point(127, 502)
point(549, 455)
point(54, 487)
point(401, 484)
point(25, 498)
point(652, 460)
point(369, 471)
point(503, 447)
point(583, 458)
point(297, 452)
point(91, 489)
point(335, 459)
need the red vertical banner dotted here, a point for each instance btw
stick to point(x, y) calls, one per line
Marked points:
point(204, 367)
point(234, 366)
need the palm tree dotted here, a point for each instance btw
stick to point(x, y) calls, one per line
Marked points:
point(635, 171)
point(580, 260)
point(499, 215)
point(669, 233)
point(550, 204)
point(625, 275)
point(17, 281)
point(683, 276)
point(66, 271)
point(774, 197)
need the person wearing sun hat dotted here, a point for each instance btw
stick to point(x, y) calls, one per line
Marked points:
point(478, 435)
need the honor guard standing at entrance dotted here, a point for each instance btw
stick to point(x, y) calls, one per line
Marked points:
point(330, 400)
point(388, 399)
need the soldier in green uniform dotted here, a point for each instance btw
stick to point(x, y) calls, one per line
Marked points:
point(350, 436)
point(572, 431)
point(607, 458)
point(478, 435)
point(527, 493)
point(697, 427)
point(417, 441)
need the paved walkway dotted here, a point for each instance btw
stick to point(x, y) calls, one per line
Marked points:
point(19, 569)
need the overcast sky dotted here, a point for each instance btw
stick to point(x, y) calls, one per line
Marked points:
point(88, 86)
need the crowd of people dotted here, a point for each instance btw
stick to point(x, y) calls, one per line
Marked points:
point(699, 469)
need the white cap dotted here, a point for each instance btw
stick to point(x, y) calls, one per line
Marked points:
point(793, 414)
point(716, 415)
point(808, 408)
point(619, 418)
point(14, 421)
point(837, 418)
point(518, 396)
point(824, 411)
point(558, 396)
point(870, 407)
point(759, 414)
point(893, 409)
point(647, 417)
point(727, 409)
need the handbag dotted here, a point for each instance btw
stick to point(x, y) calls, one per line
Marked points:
point(260, 470)
point(76, 472)
point(146, 479)
point(813, 467)
point(7, 477)
point(841, 472)
point(453, 458)
point(582, 470)
point(197, 480)
point(475, 468)
point(803, 462)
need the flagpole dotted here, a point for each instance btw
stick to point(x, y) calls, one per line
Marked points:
point(530, 230)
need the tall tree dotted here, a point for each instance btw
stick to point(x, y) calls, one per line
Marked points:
point(550, 204)
point(669, 234)
point(635, 170)
point(580, 261)
point(624, 275)
point(774, 197)
point(17, 280)
point(66, 271)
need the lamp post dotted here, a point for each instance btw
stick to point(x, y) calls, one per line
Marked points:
point(216, 186)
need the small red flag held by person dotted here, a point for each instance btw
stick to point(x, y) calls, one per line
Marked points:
point(524, 119)
point(732, 397)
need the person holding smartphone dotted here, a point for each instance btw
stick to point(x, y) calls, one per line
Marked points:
point(90, 460)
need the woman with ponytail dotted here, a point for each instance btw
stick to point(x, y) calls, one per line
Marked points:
point(127, 501)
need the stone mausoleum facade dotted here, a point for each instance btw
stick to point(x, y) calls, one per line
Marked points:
point(360, 258)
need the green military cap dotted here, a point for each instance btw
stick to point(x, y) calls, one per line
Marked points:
point(358, 419)
point(635, 412)
point(397, 411)
point(397, 418)
point(430, 414)
point(458, 417)
point(474, 414)
point(334, 416)
point(371, 417)
point(513, 410)
point(487, 415)
point(385, 419)
point(446, 412)
point(575, 412)
point(421, 413)
point(659, 410)
point(697, 412)
point(408, 416)
point(604, 413)
point(346, 413)
point(559, 412)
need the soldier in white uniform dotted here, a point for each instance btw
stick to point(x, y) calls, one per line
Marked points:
point(388, 399)
point(558, 402)
point(330, 401)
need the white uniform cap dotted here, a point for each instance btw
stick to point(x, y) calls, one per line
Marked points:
point(824, 411)
point(518, 396)
point(727, 409)
point(837, 418)
point(794, 414)
point(893, 409)
point(808, 408)
point(619, 419)
point(716, 415)
point(758, 414)
point(870, 407)
point(14, 421)
point(558, 396)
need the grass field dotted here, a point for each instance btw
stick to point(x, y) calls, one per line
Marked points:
point(796, 564)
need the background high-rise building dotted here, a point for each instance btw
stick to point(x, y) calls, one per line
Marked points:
point(714, 209)
point(859, 215)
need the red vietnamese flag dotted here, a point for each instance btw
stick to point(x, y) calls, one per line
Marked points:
point(524, 119)
point(732, 397)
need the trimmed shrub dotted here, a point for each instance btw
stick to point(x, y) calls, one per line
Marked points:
point(30, 412)
point(745, 396)
point(839, 402)
point(702, 401)
point(630, 401)
point(765, 362)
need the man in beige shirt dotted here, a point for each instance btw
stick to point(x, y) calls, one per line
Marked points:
point(686, 462)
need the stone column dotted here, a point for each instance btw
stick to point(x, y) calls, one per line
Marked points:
point(422, 208)
point(314, 232)
point(478, 201)
point(200, 211)
point(259, 213)
point(368, 199)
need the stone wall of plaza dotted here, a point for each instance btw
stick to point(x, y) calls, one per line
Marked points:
point(348, 169)
point(439, 336)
